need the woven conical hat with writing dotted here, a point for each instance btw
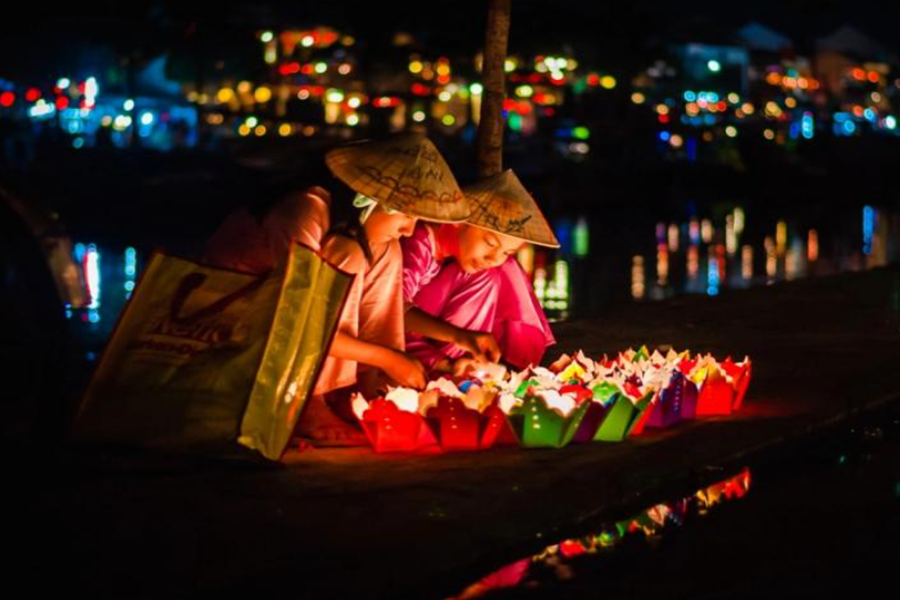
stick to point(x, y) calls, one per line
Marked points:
point(502, 204)
point(404, 172)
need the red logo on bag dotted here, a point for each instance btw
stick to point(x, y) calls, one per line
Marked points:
point(199, 325)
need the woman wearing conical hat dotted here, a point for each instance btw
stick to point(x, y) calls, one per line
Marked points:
point(458, 279)
point(396, 182)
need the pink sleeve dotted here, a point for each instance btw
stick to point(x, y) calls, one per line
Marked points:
point(302, 217)
point(345, 254)
point(423, 350)
point(419, 265)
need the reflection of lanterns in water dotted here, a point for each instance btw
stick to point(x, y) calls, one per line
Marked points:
point(540, 284)
point(870, 215)
point(791, 264)
point(747, 262)
point(731, 242)
point(92, 274)
point(693, 261)
point(130, 270)
point(771, 259)
point(799, 252)
point(722, 262)
point(673, 237)
point(660, 233)
point(553, 294)
point(694, 230)
point(662, 264)
point(706, 231)
point(712, 276)
point(638, 287)
point(781, 237)
point(582, 238)
point(560, 286)
point(739, 220)
point(812, 246)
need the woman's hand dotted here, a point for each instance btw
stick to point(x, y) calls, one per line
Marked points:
point(482, 346)
point(406, 371)
point(464, 366)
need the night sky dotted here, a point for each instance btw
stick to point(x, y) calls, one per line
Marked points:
point(614, 35)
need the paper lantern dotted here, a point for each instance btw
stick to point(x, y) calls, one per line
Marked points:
point(622, 418)
point(537, 425)
point(458, 427)
point(676, 402)
point(390, 429)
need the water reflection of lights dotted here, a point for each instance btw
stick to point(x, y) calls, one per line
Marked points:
point(673, 238)
point(731, 236)
point(130, 271)
point(790, 265)
point(693, 262)
point(662, 265)
point(726, 260)
point(638, 285)
point(781, 238)
point(771, 259)
point(812, 246)
point(92, 275)
point(581, 243)
point(706, 231)
point(556, 560)
point(739, 220)
point(557, 291)
point(694, 229)
point(747, 262)
point(713, 279)
point(870, 215)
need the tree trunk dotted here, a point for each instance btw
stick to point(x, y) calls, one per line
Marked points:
point(493, 73)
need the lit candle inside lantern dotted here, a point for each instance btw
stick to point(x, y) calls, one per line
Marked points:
point(405, 398)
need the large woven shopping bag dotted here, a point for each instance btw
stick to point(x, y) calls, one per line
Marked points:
point(204, 357)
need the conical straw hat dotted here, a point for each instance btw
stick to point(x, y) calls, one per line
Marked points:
point(404, 172)
point(500, 203)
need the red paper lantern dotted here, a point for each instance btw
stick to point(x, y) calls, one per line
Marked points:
point(390, 429)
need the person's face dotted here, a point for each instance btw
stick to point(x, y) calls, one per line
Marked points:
point(480, 249)
point(382, 227)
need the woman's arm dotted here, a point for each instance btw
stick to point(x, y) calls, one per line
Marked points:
point(403, 369)
point(419, 321)
point(481, 345)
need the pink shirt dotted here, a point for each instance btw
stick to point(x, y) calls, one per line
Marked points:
point(373, 310)
point(423, 256)
point(499, 300)
point(244, 243)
